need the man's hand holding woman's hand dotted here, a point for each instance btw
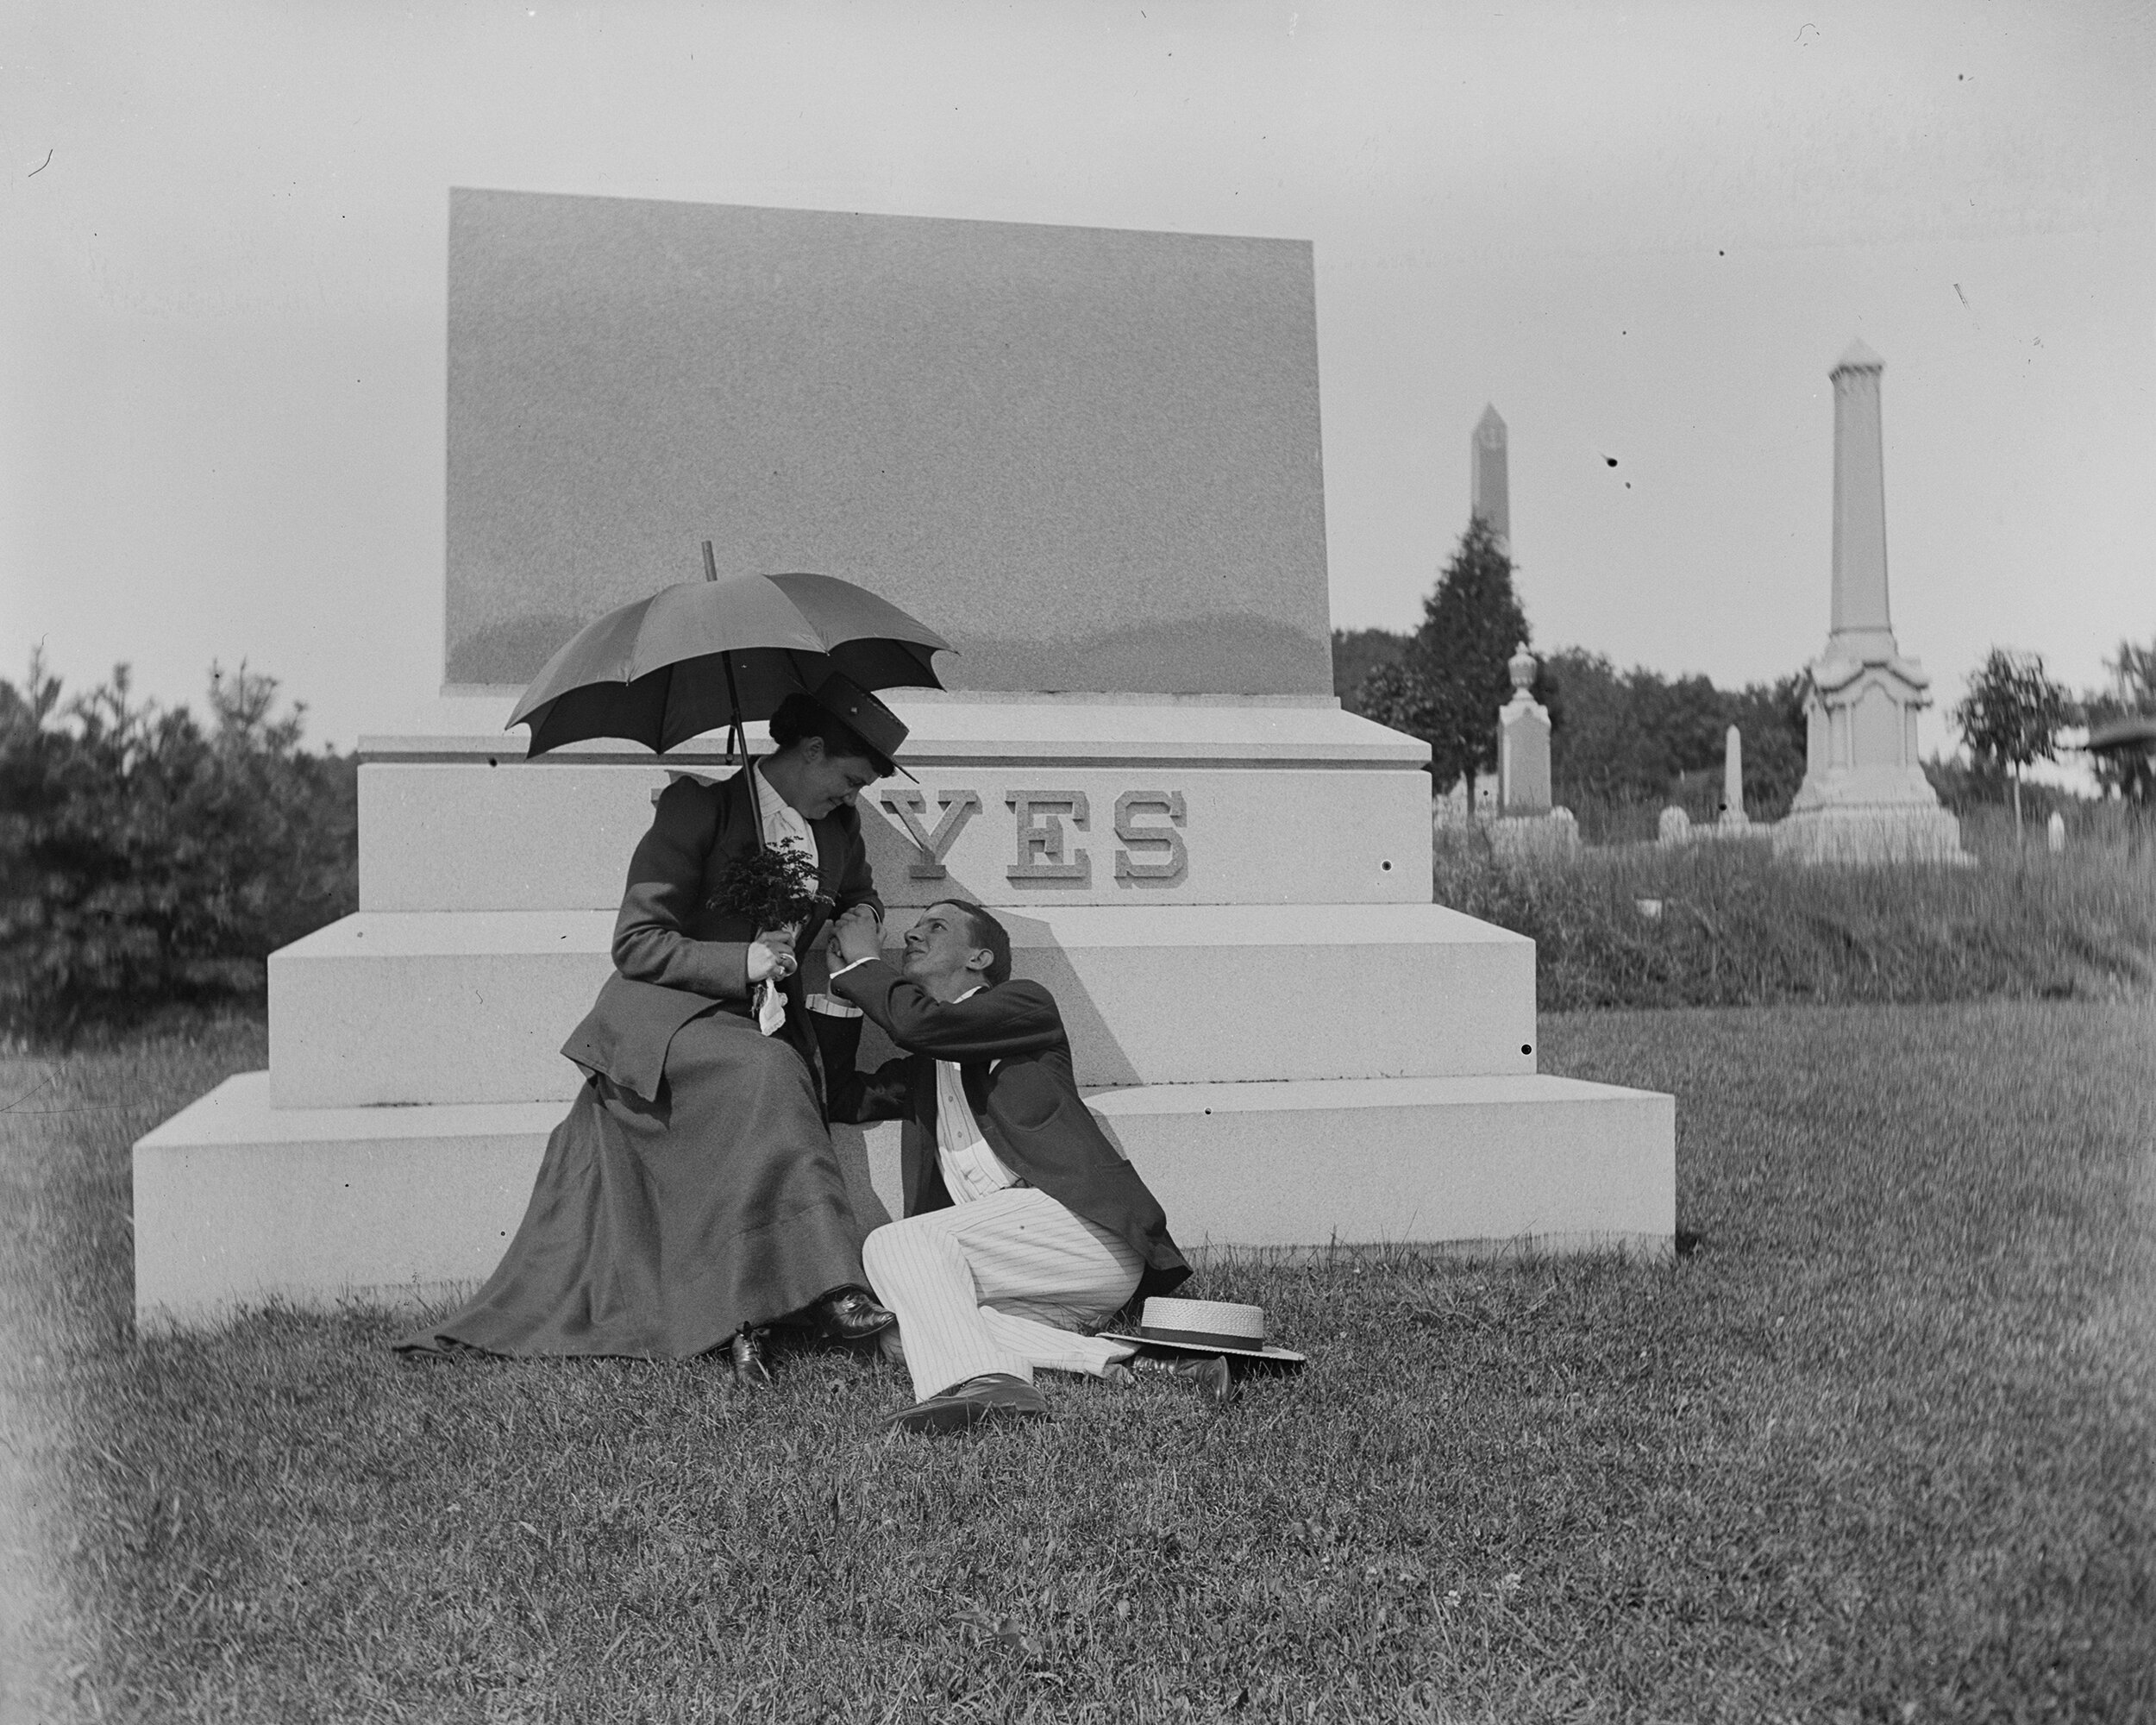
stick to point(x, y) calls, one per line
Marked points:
point(857, 935)
point(771, 956)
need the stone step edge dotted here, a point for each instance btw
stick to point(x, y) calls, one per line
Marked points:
point(516, 933)
point(241, 1104)
point(403, 1298)
point(1536, 1164)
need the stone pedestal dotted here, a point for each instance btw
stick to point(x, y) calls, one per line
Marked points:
point(1864, 797)
point(1269, 1015)
point(413, 1046)
point(1523, 744)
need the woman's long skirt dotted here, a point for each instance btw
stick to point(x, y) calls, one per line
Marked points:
point(659, 1230)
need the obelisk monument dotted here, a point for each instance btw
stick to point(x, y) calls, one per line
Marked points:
point(1864, 797)
point(1733, 818)
point(1489, 490)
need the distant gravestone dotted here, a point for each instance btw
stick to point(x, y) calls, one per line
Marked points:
point(2055, 832)
point(1523, 743)
point(1089, 457)
point(1675, 827)
point(1733, 818)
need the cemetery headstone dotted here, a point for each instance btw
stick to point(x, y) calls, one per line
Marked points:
point(1864, 796)
point(1523, 743)
point(1091, 458)
point(1733, 816)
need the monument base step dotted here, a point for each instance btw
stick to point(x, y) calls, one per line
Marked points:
point(1861, 833)
point(239, 1204)
point(389, 1008)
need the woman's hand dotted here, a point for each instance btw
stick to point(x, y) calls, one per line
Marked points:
point(771, 956)
point(857, 935)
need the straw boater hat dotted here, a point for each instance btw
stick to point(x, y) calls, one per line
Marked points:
point(1206, 1327)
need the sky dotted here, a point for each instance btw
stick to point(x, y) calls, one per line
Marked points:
point(1644, 234)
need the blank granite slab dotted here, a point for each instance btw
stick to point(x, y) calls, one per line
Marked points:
point(1088, 456)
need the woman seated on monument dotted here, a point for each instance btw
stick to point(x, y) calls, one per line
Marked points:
point(692, 1197)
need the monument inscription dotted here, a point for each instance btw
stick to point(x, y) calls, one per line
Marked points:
point(1150, 848)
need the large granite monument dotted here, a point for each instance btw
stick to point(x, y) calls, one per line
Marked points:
point(1092, 459)
point(1864, 797)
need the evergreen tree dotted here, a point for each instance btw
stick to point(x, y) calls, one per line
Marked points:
point(1448, 685)
point(145, 857)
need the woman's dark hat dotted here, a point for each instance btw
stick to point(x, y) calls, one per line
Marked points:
point(1205, 1326)
point(860, 712)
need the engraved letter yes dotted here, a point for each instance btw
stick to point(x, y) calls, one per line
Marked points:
point(1041, 838)
point(1168, 868)
point(910, 805)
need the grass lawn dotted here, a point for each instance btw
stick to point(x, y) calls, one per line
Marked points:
point(1877, 1446)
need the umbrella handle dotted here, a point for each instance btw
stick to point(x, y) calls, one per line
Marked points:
point(736, 738)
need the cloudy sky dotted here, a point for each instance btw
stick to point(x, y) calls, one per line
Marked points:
point(1644, 234)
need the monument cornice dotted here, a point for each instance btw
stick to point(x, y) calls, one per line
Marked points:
point(1833, 674)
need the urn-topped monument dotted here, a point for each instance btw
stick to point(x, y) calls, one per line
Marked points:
point(1864, 797)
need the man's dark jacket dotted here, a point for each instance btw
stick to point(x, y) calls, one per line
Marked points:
point(676, 957)
point(1015, 1061)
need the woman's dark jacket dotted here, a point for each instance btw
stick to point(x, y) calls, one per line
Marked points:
point(676, 957)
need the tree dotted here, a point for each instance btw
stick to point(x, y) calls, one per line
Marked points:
point(2127, 772)
point(2011, 715)
point(2134, 676)
point(1447, 686)
point(144, 858)
point(1356, 653)
point(1628, 738)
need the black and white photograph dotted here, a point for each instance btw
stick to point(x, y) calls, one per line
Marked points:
point(1077, 861)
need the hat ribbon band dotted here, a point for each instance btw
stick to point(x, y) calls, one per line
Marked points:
point(1202, 1338)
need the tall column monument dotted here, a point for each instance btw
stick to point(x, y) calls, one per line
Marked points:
point(1489, 484)
point(1864, 797)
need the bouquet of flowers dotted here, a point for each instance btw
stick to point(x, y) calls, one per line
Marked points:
point(773, 886)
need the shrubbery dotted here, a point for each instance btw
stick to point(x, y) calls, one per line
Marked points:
point(146, 858)
point(1722, 923)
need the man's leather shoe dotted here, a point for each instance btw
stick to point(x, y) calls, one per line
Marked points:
point(1211, 1377)
point(751, 1369)
point(851, 1316)
point(993, 1396)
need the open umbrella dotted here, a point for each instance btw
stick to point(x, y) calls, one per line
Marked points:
point(704, 654)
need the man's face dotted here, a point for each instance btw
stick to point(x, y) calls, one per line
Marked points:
point(939, 950)
point(829, 779)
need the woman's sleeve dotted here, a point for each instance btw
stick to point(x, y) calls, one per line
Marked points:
point(665, 878)
point(858, 885)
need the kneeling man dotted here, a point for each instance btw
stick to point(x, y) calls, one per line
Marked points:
point(1025, 1227)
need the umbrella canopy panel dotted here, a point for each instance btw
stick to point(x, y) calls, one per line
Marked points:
point(702, 655)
